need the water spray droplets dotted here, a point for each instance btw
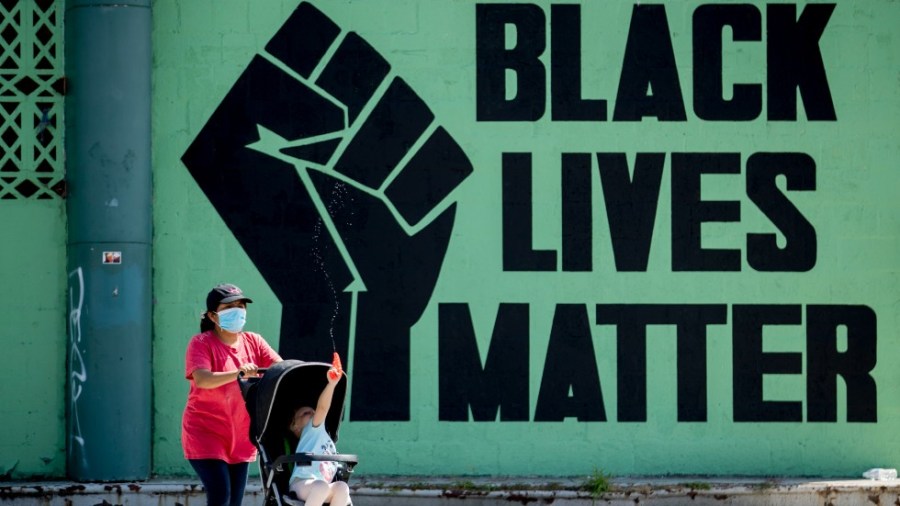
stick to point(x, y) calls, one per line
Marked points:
point(338, 200)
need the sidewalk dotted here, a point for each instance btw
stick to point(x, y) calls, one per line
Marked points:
point(488, 491)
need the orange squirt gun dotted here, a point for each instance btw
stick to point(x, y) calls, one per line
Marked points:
point(338, 369)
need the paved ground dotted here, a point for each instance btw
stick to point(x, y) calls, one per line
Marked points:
point(490, 491)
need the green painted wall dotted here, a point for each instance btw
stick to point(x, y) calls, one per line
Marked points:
point(34, 339)
point(202, 47)
point(33, 398)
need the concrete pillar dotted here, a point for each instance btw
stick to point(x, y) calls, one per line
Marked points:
point(108, 60)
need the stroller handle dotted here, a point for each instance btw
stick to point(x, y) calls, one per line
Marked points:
point(261, 370)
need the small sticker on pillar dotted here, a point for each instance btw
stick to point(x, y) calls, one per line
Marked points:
point(112, 257)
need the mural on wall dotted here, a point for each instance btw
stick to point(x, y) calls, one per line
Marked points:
point(334, 176)
point(336, 179)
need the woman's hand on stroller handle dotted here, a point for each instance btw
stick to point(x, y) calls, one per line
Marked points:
point(250, 370)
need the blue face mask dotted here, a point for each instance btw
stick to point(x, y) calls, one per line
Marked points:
point(233, 319)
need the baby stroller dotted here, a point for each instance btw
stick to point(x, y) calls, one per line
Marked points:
point(271, 400)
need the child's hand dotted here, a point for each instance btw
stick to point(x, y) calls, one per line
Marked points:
point(333, 375)
point(336, 370)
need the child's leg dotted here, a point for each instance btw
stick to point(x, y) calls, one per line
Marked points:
point(340, 494)
point(314, 492)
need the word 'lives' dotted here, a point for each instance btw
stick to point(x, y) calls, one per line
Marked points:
point(631, 200)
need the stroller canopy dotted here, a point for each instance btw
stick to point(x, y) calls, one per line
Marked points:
point(285, 386)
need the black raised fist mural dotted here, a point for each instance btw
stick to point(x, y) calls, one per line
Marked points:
point(333, 175)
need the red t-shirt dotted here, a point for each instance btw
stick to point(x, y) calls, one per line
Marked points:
point(215, 424)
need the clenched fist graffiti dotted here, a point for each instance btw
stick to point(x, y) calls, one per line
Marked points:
point(333, 176)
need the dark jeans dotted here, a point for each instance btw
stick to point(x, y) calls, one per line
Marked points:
point(224, 483)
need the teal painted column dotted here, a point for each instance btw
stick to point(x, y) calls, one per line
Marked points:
point(108, 59)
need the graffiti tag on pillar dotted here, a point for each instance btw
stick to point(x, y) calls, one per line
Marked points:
point(77, 369)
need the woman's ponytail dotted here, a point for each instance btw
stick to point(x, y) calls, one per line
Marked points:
point(206, 323)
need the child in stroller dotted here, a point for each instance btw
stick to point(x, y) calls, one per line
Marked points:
point(313, 483)
point(273, 401)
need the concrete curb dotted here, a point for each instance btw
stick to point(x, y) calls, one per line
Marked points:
point(487, 491)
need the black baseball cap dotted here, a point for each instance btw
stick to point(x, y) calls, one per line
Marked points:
point(223, 294)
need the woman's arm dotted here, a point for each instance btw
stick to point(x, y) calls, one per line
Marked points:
point(204, 378)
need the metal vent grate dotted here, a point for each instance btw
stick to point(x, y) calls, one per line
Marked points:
point(31, 99)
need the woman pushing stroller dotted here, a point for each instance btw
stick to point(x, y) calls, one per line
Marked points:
point(314, 483)
point(215, 421)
